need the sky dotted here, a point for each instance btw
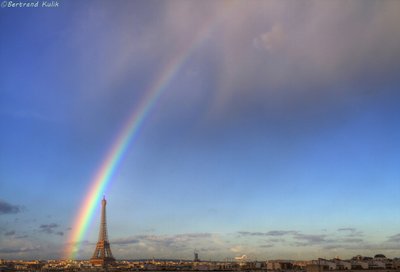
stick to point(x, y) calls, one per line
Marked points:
point(275, 134)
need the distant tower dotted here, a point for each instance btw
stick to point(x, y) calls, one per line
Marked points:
point(102, 254)
point(196, 256)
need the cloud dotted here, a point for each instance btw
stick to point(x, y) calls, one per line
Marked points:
point(19, 250)
point(7, 208)
point(267, 246)
point(10, 233)
point(281, 232)
point(269, 233)
point(333, 246)
point(351, 232)
point(331, 241)
point(327, 241)
point(371, 247)
point(353, 240)
point(295, 238)
point(194, 235)
point(308, 59)
point(272, 40)
point(22, 247)
point(285, 64)
point(208, 249)
point(219, 246)
point(209, 245)
point(125, 241)
point(178, 241)
point(394, 238)
point(50, 229)
point(347, 229)
point(236, 249)
point(311, 239)
point(276, 240)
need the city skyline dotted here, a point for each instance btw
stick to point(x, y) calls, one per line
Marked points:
point(268, 129)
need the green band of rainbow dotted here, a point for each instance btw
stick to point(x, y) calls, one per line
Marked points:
point(120, 145)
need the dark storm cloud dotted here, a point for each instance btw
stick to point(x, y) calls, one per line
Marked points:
point(7, 208)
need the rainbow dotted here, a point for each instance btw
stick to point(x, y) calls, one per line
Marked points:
point(121, 143)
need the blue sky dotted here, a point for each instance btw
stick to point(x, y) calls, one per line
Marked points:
point(276, 138)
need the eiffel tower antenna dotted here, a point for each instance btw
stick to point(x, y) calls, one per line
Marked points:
point(102, 254)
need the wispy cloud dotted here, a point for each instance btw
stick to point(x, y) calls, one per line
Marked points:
point(353, 240)
point(163, 240)
point(311, 239)
point(10, 233)
point(172, 245)
point(7, 208)
point(267, 246)
point(125, 241)
point(269, 233)
point(50, 229)
point(324, 240)
point(272, 40)
point(394, 238)
point(351, 232)
point(276, 240)
point(347, 229)
point(18, 250)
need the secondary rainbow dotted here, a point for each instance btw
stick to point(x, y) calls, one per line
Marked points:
point(121, 143)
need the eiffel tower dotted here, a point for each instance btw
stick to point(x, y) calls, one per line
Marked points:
point(102, 254)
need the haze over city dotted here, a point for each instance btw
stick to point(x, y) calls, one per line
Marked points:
point(273, 130)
